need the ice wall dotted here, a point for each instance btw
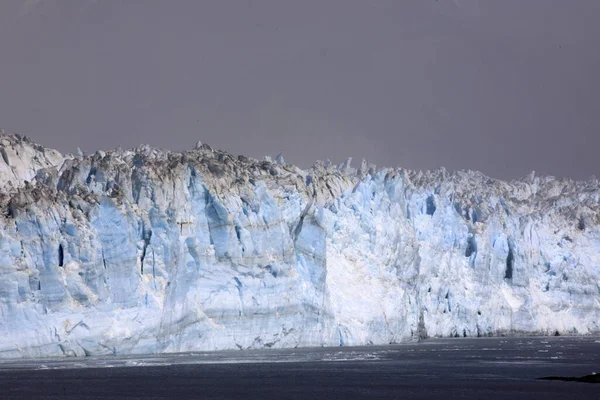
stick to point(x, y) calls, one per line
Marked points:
point(147, 250)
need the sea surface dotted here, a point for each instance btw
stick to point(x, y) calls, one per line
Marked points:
point(482, 368)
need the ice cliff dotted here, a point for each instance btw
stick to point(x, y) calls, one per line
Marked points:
point(146, 250)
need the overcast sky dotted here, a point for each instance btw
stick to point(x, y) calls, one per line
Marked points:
point(500, 86)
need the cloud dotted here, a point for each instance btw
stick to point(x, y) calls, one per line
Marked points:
point(28, 7)
point(469, 7)
point(31, 6)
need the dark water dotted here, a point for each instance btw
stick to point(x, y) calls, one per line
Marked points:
point(490, 368)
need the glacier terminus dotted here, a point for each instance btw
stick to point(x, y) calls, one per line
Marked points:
point(152, 251)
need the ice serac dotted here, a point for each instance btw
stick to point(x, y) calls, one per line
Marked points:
point(147, 250)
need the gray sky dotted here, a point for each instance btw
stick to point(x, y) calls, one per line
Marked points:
point(501, 86)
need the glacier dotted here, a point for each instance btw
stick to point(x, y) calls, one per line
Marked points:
point(153, 251)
